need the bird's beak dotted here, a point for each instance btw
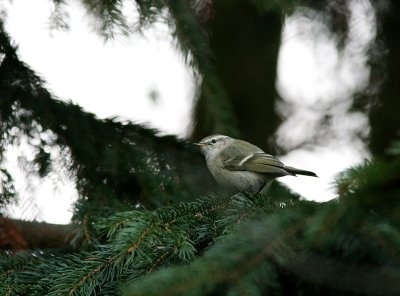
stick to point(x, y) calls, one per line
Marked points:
point(199, 144)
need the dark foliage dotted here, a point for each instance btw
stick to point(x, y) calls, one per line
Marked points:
point(146, 215)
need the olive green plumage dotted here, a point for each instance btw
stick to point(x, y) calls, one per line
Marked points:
point(242, 165)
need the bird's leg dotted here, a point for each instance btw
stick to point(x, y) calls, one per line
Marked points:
point(250, 193)
point(243, 193)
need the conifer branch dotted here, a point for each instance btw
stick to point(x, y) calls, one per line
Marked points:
point(158, 261)
point(89, 275)
point(136, 244)
point(216, 244)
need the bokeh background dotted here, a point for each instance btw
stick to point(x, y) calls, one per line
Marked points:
point(313, 82)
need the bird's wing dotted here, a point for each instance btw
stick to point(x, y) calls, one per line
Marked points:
point(262, 163)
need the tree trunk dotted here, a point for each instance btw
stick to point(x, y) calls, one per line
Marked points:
point(385, 118)
point(245, 44)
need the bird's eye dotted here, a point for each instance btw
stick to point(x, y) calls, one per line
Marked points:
point(214, 141)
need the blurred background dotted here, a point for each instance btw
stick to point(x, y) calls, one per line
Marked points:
point(312, 82)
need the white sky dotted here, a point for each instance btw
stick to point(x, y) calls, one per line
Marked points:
point(108, 79)
point(116, 79)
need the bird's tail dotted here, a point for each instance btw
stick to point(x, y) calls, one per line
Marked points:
point(295, 172)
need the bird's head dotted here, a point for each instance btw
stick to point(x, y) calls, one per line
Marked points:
point(213, 144)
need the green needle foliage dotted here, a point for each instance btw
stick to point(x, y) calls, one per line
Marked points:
point(152, 220)
point(235, 245)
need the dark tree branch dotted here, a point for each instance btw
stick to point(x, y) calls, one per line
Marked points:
point(19, 235)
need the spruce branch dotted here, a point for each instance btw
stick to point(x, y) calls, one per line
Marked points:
point(109, 20)
point(78, 274)
point(108, 167)
point(90, 275)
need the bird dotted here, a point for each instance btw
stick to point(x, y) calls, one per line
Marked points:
point(242, 166)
